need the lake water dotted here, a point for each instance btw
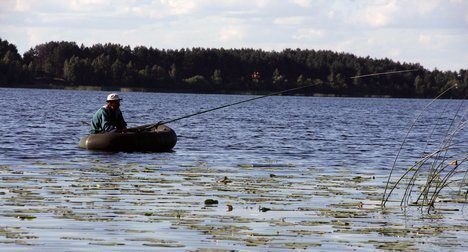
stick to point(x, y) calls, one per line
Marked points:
point(288, 173)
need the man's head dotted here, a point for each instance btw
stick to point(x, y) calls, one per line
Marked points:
point(113, 101)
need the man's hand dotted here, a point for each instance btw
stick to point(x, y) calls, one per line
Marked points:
point(159, 123)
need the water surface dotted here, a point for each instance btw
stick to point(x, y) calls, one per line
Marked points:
point(288, 173)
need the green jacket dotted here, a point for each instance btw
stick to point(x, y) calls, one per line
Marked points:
point(106, 119)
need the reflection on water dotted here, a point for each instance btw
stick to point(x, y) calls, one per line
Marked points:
point(287, 172)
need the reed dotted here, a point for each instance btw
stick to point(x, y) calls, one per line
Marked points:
point(437, 170)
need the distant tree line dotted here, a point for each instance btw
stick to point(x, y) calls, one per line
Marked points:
point(221, 70)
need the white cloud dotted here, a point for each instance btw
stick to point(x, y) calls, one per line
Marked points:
point(88, 5)
point(23, 5)
point(394, 52)
point(424, 39)
point(179, 7)
point(431, 32)
point(92, 2)
point(34, 36)
point(89, 2)
point(288, 21)
point(152, 12)
point(439, 41)
point(426, 6)
point(231, 33)
point(343, 45)
point(309, 34)
point(376, 15)
point(261, 3)
point(302, 3)
point(376, 18)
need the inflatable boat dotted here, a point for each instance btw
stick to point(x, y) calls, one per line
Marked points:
point(159, 138)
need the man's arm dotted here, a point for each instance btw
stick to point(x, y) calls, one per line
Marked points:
point(121, 124)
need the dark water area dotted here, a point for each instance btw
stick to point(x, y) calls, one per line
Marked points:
point(351, 132)
point(318, 165)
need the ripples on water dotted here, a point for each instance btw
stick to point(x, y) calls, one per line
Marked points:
point(301, 172)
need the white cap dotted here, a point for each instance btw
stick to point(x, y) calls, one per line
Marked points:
point(113, 97)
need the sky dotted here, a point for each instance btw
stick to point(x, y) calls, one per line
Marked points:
point(433, 33)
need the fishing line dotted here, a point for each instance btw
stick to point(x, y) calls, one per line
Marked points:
point(260, 97)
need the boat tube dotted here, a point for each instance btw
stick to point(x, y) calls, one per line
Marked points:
point(159, 138)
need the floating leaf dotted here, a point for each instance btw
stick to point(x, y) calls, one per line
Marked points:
point(211, 202)
point(25, 217)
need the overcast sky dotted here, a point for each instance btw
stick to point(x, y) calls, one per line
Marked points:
point(433, 33)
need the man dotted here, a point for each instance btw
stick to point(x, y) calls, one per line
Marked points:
point(109, 118)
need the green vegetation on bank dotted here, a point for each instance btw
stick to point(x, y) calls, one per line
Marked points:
point(112, 66)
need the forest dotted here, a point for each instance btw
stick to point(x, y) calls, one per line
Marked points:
point(219, 70)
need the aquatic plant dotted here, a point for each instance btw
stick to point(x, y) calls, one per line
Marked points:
point(435, 170)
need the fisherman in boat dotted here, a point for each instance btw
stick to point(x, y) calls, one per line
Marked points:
point(109, 118)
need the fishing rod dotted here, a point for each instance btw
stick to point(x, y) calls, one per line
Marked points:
point(383, 73)
point(143, 127)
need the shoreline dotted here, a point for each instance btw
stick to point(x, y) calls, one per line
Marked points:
point(155, 90)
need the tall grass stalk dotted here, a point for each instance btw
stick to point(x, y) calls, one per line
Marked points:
point(412, 180)
point(438, 174)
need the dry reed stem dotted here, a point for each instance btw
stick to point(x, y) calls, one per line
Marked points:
point(437, 179)
point(384, 199)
